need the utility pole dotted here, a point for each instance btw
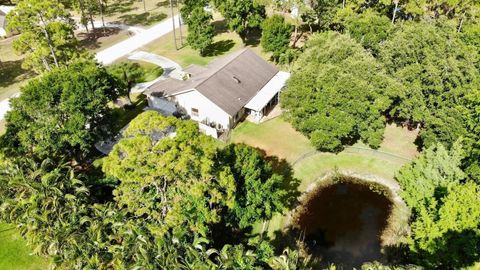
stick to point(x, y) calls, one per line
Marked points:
point(180, 23)
point(173, 22)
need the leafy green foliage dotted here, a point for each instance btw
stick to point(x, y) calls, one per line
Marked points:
point(46, 203)
point(437, 69)
point(46, 34)
point(242, 15)
point(176, 180)
point(62, 113)
point(200, 30)
point(369, 29)
point(338, 93)
point(252, 173)
point(429, 175)
point(276, 35)
point(446, 211)
point(127, 74)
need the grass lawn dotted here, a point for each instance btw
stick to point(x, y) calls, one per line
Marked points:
point(164, 46)
point(277, 137)
point(14, 254)
point(225, 42)
point(101, 39)
point(132, 12)
point(12, 76)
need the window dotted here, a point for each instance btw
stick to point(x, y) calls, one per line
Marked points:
point(194, 112)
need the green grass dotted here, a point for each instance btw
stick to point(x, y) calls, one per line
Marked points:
point(277, 138)
point(14, 254)
point(312, 168)
point(95, 41)
point(165, 46)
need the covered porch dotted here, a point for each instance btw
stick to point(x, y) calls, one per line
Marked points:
point(267, 98)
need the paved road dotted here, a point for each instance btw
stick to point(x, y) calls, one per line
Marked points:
point(98, 24)
point(125, 47)
point(120, 49)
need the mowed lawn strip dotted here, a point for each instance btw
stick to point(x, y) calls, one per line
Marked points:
point(276, 137)
point(14, 254)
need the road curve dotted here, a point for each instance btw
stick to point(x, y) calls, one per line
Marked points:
point(113, 53)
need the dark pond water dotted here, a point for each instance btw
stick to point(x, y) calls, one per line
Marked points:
point(343, 223)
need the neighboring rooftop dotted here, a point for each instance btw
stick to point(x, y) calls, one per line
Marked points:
point(230, 82)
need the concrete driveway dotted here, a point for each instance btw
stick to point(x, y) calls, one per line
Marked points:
point(170, 69)
point(127, 46)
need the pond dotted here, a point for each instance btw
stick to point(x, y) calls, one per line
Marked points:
point(342, 222)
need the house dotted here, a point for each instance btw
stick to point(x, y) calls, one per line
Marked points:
point(223, 93)
point(4, 10)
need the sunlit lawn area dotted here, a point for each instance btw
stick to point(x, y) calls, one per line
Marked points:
point(14, 254)
point(132, 12)
point(224, 43)
point(277, 138)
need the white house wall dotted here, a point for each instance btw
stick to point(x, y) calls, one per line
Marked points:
point(207, 110)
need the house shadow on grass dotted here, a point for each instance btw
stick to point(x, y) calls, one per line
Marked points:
point(145, 18)
point(219, 48)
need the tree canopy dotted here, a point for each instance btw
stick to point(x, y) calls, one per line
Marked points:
point(339, 93)
point(445, 230)
point(276, 35)
point(242, 15)
point(200, 30)
point(46, 34)
point(62, 113)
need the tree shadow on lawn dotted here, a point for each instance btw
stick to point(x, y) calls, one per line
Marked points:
point(253, 37)
point(12, 72)
point(165, 3)
point(121, 6)
point(219, 48)
point(220, 26)
point(145, 18)
point(90, 40)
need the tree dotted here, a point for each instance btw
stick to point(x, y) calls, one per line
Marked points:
point(46, 202)
point(46, 34)
point(445, 209)
point(338, 93)
point(127, 75)
point(62, 113)
point(189, 6)
point(165, 170)
point(276, 35)
point(429, 175)
point(200, 30)
point(242, 15)
point(252, 173)
point(438, 70)
point(369, 29)
point(446, 233)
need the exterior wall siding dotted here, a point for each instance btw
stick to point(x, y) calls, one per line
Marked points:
point(207, 110)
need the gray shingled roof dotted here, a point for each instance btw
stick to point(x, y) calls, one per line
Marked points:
point(229, 82)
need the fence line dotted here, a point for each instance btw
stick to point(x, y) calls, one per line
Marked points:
point(357, 150)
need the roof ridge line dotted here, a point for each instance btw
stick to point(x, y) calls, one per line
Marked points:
point(222, 66)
